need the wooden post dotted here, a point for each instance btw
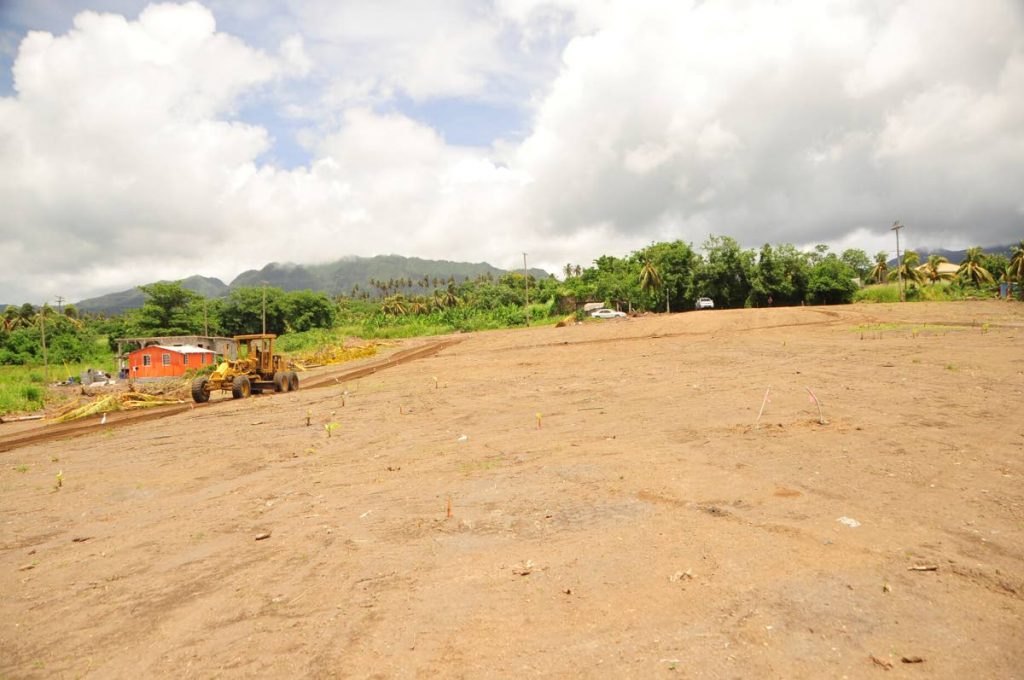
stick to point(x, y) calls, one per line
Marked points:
point(526, 278)
point(42, 334)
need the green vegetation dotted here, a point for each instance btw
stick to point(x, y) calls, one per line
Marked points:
point(972, 269)
point(667, 276)
point(939, 291)
point(882, 292)
point(1015, 268)
point(22, 388)
point(917, 328)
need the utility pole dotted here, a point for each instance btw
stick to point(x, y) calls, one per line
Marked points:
point(60, 301)
point(264, 308)
point(526, 278)
point(42, 335)
point(896, 226)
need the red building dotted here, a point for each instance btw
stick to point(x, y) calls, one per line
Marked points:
point(163, 361)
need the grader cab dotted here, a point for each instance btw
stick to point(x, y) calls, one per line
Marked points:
point(257, 368)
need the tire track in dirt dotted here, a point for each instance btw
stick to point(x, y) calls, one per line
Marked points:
point(114, 420)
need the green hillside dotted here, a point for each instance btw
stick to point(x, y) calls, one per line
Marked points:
point(115, 303)
point(333, 278)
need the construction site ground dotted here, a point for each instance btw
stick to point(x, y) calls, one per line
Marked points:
point(587, 501)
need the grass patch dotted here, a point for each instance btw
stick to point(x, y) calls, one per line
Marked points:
point(911, 328)
point(468, 467)
point(23, 388)
point(943, 291)
point(882, 292)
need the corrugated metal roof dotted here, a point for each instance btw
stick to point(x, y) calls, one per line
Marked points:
point(184, 349)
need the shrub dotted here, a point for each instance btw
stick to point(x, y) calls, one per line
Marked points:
point(883, 292)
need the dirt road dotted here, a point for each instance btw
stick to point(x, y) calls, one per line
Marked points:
point(614, 513)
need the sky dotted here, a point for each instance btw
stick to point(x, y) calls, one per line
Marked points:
point(143, 141)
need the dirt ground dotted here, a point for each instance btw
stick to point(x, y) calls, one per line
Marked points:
point(613, 512)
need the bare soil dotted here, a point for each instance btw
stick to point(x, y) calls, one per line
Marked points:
point(589, 501)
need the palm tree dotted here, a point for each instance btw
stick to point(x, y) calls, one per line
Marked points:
point(650, 278)
point(436, 301)
point(448, 296)
point(971, 269)
point(933, 272)
point(881, 268)
point(11, 320)
point(1015, 272)
point(419, 306)
point(567, 270)
point(908, 268)
point(394, 306)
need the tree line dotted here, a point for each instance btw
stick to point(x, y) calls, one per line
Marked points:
point(665, 276)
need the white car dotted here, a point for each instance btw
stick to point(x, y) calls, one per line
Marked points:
point(705, 303)
point(607, 314)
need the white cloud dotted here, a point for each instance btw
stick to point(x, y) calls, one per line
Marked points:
point(293, 53)
point(767, 121)
point(123, 157)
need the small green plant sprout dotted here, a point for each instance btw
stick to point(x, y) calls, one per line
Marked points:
point(309, 416)
point(814, 400)
point(984, 328)
point(59, 481)
point(331, 427)
point(20, 468)
point(538, 420)
point(951, 368)
point(54, 459)
point(435, 381)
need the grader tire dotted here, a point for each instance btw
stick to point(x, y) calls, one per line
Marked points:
point(199, 393)
point(241, 387)
point(293, 380)
point(281, 381)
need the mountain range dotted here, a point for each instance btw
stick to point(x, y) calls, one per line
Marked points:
point(332, 278)
point(955, 256)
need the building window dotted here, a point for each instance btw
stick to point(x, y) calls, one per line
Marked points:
point(184, 359)
point(202, 358)
point(146, 360)
point(167, 359)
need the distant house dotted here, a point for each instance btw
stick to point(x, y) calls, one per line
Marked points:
point(166, 361)
point(945, 268)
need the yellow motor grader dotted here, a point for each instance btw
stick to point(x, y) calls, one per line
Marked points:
point(257, 368)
